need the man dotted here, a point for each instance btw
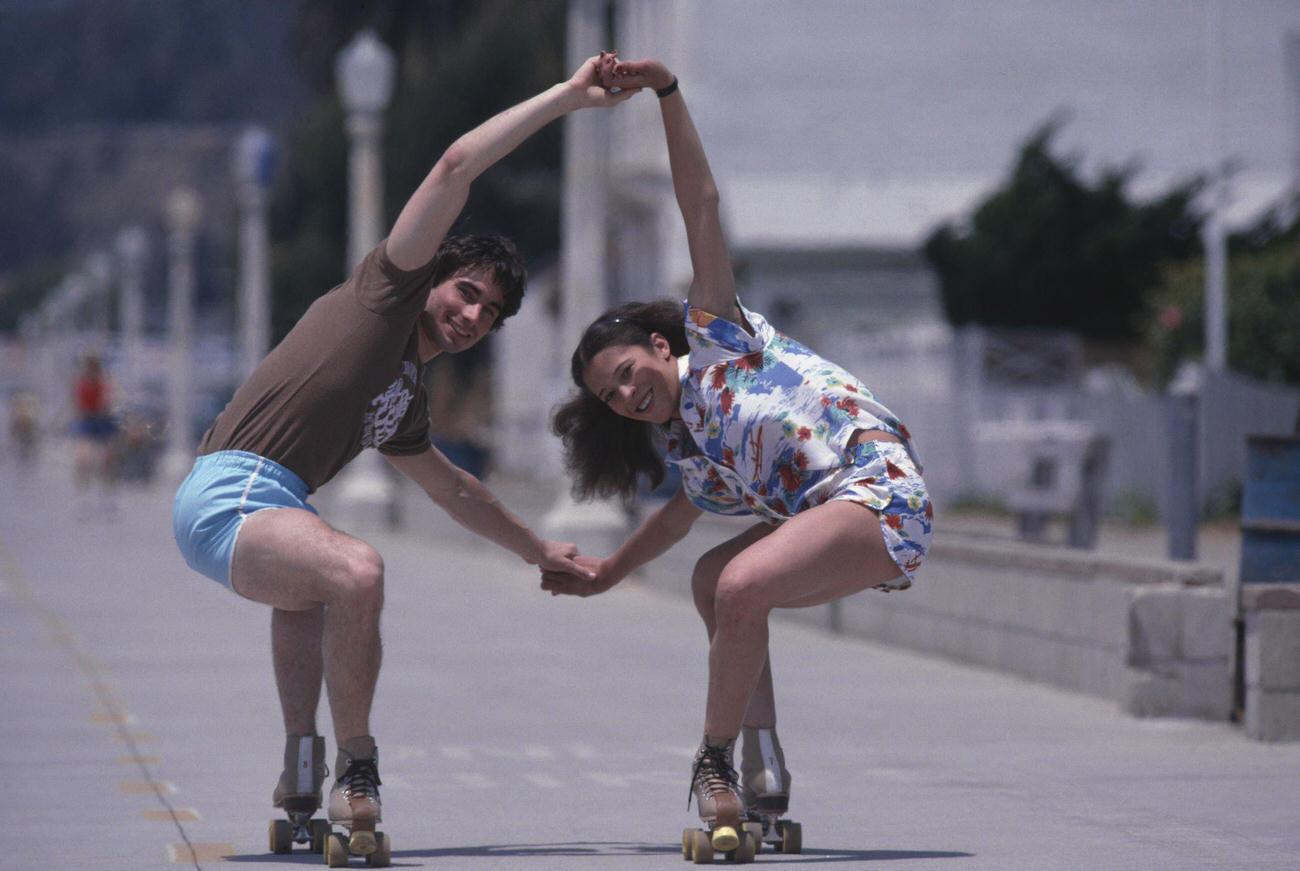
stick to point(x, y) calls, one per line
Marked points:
point(346, 378)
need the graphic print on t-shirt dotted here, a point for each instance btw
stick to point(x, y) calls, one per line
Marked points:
point(388, 408)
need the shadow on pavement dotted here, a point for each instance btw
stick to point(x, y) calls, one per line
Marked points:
point(597, 849)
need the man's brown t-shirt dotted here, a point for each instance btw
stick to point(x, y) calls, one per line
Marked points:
point(346, 377)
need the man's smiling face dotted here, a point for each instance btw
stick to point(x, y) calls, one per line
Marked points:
point(460, 311)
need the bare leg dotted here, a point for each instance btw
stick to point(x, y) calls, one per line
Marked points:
point(293, 561)
point(296, 649)
point(761, 712)
point(822, 554)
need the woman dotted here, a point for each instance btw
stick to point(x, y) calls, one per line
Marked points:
point(757, 424)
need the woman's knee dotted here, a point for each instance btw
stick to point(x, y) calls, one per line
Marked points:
point(738, 595)
point(704, 580)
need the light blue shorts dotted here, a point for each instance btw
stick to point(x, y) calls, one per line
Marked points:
point(213, 501)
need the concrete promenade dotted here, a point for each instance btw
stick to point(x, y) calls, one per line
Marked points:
point(140, 727)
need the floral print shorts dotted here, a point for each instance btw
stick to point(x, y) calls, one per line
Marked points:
point(884, 478)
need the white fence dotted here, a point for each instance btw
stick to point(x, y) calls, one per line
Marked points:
point(937, 383)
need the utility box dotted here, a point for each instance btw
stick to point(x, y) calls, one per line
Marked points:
point(1270, 587)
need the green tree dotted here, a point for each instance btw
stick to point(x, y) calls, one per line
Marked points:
point(1051, 249)
point(1263, 305)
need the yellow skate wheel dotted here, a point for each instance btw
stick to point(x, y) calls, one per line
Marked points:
point(725, 839)
point(686, 843)
point(745, 851)
point(362, 843)
point(336, 851)
point(320, 833)
point(755, 829)
point(383, 855)
point(701, 848)
point(791, 835)
point(280, 836)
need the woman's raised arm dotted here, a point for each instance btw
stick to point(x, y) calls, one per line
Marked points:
point(713, 287)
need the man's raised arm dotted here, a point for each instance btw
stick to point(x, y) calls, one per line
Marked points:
point(437, 202)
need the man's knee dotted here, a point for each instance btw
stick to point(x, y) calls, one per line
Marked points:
point(360, 578)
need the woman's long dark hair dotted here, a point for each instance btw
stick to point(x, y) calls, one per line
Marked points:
point(605, 452)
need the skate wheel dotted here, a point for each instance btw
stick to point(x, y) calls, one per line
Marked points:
point(701, 847)
point(791, 835)
point(280, 835)
point(686, 843)
point(755, 829)
point(336, 850)
point(320, 833)
point(745, 850)
point(362, 843)
point(383, 855)
point(725, 839)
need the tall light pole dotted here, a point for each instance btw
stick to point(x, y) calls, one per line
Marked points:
point(254, 169)
point(364, 74)
point(1215, 231)
point(132, 246)
point(98, 270)
point(183, 210)
point(583, 246)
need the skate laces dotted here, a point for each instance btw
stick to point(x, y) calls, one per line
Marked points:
point(361, 779)
point(712, 772)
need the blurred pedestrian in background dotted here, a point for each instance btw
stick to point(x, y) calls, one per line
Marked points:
point(94, 432)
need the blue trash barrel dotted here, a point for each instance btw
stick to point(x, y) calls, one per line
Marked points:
point(1270, 511)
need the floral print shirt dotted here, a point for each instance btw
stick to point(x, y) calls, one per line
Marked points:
point(765, 422)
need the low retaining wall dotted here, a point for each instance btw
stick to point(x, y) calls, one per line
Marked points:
point(1271, 613)
point(1154, 635)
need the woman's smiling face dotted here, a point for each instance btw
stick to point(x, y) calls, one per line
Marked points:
point(636, 381)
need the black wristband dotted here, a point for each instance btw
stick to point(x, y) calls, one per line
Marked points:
point(668, 91)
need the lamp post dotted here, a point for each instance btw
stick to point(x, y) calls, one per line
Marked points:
point(364, 73)
point(583, 253)
point(183, 210)
point(132, 246)
point(98, 270)
point(255, 155)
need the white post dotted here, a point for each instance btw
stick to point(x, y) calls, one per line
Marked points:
point(1215, 232)
point(583, 241)
point(132, 246)
point(364, 73)
point(254, 167)
point(183, 212)
point(98, 270)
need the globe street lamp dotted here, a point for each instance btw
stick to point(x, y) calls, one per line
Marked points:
point(255, 156)
point(132, 246)
point(364, 73)
point(183, 211)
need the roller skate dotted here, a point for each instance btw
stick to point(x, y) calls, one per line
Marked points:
point(717, 797)
point(765, 787)
point(298, 792)
point(354, 805)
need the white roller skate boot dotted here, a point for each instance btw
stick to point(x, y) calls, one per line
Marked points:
point(765, 787)
point(717, 798)
point(354, 805)
point(299, 793)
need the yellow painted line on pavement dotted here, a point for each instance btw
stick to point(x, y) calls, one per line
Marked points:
point(144, 787)
point(185, 814)
point(112, 718)
point(200, 851)
point(111, 711)
point(135, 737)
point(136, 760)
